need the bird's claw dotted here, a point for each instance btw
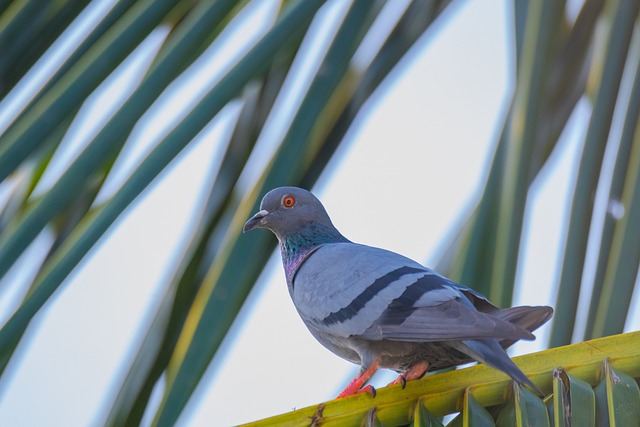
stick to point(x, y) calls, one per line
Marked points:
point(401, 379)
point(357, 384)
point(368, 389)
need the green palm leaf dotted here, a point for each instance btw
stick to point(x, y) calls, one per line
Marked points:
point(594, 362)
point(618, 40)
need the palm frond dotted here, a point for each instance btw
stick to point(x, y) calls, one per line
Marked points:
point(600, 372)
point(617, 49)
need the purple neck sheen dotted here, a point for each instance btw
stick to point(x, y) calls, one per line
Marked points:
point(297, 247)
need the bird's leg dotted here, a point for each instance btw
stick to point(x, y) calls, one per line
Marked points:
point(415, 371)
point(355, 386)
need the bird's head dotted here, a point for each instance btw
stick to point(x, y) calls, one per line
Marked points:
point(287, 210)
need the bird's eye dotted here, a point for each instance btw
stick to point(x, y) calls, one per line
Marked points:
point(288, 201)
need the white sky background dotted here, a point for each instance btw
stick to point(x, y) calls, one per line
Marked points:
point(444, 109)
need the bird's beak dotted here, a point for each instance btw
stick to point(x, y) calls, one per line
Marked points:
point(255, 221)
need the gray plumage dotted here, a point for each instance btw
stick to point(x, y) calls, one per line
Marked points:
point(369, 305)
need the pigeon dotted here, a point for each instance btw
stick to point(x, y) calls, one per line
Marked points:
point(379, 309)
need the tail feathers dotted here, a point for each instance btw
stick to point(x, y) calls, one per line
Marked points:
point(490, 352)
point(529, 318)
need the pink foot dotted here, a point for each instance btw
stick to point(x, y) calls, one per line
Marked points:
point(416, 371)
point(356, 385)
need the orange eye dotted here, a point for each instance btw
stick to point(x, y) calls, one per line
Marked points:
point(288, 201)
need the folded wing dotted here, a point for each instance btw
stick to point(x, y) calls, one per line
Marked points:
point(352, 290)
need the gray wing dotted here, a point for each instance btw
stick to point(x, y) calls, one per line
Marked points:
point(351, 290)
